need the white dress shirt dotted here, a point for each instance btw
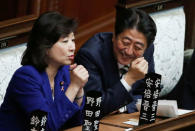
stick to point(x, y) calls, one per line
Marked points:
point(125, 84)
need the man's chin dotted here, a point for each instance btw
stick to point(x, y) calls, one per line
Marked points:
point(125, 62)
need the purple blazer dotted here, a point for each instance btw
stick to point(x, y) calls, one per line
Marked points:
point(29, 90)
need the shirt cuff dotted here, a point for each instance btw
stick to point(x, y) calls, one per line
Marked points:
point(124, 83)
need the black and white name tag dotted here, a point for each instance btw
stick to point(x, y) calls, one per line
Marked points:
point(92, 111)
point(150, 99)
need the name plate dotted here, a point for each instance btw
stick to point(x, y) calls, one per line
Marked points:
point(92, 111)
point(150, 99)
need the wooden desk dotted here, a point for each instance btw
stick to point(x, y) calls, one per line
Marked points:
point(114, 122)
point(118, 119)
point(102, 127)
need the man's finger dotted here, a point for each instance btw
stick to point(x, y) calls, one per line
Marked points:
point(136, 61)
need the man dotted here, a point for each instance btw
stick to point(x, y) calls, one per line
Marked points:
point(105, 53)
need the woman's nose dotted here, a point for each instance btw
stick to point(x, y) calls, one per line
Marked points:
point(72, 46)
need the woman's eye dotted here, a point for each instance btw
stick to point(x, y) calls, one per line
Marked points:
point(73, 40)
point(65, 41)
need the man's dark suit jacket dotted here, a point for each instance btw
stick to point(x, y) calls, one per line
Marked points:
point(98, 58)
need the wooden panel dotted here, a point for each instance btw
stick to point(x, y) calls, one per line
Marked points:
point(93, 16)
point(10, 9)
point(85, 11)
point(7, 9)
point(143, 3)
point(71, 8)
point(22, 8)
point(98, 16)
point(102, 24)
point(91, 10)
point(89, 14)
point(14, 30)
point(152, 5)
point(189, 8)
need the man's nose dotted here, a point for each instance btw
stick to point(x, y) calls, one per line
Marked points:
point(129, 50)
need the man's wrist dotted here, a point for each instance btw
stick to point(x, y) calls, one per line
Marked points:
point(129, 80)
point(125, 84)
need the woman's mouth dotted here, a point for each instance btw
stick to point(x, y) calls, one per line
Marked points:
point(71, 57)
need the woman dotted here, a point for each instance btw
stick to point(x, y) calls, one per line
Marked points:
point(46, 93)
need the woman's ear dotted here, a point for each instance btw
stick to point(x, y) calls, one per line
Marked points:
point(47, 52)
point(46, 55)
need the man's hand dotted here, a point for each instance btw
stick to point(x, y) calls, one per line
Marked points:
point(137, 71)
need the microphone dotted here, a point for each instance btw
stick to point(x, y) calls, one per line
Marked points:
point(150, 98)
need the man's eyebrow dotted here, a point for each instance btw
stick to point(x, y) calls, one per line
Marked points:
point(139, 43)
point(125, 37)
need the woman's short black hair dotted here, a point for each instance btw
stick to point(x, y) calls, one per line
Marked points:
point(135, 18)
point(46, 31)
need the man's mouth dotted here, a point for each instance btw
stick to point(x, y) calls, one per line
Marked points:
point(125, 56)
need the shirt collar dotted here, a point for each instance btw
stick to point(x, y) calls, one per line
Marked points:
point(121, 66)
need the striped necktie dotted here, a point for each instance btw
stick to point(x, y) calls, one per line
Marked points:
point(123, 70)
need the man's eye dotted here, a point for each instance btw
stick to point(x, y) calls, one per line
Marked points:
point(125, 43)
point(138, 48)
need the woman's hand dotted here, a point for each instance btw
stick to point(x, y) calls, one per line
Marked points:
point(79, 77)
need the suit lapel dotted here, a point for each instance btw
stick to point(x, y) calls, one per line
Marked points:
point(111, 72)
